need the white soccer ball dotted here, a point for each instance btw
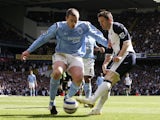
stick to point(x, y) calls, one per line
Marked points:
point(70, 105)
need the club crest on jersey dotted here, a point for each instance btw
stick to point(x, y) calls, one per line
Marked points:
point(79, 30)
point(122, 35)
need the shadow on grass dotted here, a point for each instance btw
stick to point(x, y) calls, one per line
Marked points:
point(41, 116)
point(23, 107)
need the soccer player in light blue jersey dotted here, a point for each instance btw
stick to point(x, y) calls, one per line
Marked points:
point(32, 81)
point(70, 48)
point(89, 62)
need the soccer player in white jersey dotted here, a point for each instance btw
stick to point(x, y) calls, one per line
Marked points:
point(128, 82)
point(32, 81)
point(70, 48)
point(123, 59)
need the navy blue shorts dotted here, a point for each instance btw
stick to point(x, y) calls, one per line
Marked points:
point(126, 65)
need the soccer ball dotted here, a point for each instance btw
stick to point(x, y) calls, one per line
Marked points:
point(70, 105)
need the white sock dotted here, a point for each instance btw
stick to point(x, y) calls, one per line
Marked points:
point(101, 90)
point(102, 100)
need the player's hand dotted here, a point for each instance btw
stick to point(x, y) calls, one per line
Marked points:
point(109, 44)
point(102, 49)
point(24, 55)
point(105, 71)
point(117, 59)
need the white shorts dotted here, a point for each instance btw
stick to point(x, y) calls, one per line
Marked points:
point(89, 67)
point(31, 85)
point(68, 59)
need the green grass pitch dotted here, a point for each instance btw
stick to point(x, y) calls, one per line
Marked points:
point(116, 108)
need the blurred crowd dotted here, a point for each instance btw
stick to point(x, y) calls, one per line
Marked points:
point(13, 80)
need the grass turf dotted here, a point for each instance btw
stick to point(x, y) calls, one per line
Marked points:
point(116, 108)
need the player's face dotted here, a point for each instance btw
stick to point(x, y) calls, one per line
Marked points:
point(72, 21)
point(104, 23)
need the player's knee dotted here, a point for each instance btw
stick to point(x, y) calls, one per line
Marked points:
point(77, 76)
point(56, 74)
point(77, 79)
point(78, 82)
point(113, 77)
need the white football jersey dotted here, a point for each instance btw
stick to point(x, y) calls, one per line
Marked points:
point(117, 34)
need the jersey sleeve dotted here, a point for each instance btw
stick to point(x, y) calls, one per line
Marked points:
point(95, 45)
point(121, 31)
point(97, 34)
point(43, 38)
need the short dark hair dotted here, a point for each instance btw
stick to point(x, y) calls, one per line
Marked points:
point(72, 11)
point(106, 14)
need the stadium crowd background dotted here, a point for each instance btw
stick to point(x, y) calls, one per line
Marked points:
point(144, 28)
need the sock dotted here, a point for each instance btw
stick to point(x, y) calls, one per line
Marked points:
point(87, 89)
point(72, 91)
point(30, 92)
point(102, 100)
point(101, 90)
point(34, 92)
point(54, 84)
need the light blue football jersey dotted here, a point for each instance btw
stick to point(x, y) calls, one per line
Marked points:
point(31, 78)
point(69, 41)
point(90, 44)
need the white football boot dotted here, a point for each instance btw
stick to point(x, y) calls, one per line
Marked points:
point(85, 101)
point(95, 112)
